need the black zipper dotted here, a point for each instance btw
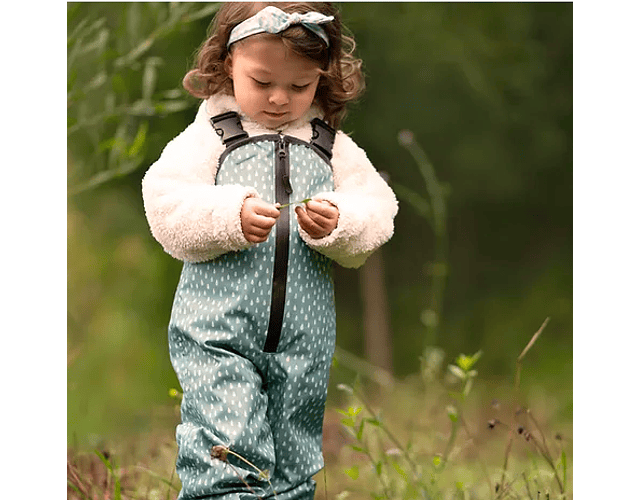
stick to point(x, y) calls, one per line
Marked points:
point(278, 293)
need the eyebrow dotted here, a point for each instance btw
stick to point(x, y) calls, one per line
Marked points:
point(262, 71)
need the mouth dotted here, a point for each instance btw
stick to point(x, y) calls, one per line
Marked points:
point(275, 115)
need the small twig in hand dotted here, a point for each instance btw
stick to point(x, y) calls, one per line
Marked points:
point(301, 202)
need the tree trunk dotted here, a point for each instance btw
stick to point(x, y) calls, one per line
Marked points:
point(377, 335)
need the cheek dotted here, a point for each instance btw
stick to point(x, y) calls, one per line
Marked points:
point(306, 99)
point(245, 94)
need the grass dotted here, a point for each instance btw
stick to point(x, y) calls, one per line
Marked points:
point(456, 442)
point(443, 434)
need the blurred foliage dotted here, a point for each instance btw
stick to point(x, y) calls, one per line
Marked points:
point(485, 89)
point(117, 55)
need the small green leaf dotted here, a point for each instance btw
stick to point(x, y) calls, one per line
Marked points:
point(453, 413)
point(400, 471)
point(437, 461)
point(379, 468)
point(348, 422)
point(466, 362)
point(374, 421)
point(353, 472)
point(360, 432)
point(301, 202)
point(139, 140)
point(417, 201)
point(175, 393)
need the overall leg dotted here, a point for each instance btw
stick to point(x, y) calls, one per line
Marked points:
point(224, 404)
point(297, 391)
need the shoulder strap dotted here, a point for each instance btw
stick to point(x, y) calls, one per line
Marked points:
point(228, 127)
point(323, 136)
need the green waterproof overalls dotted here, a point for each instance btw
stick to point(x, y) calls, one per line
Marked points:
point(252, 334)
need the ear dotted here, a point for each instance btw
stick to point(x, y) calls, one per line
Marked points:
point(228, 66)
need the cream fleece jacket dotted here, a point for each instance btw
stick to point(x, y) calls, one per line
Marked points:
point(194, 220)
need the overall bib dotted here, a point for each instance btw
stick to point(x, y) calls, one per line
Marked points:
point(252, 334)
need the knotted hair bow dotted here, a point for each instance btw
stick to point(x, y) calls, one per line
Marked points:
point(273, 20)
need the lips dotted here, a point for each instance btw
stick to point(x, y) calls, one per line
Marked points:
point(275, 115)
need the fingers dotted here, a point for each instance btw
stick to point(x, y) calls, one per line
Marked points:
point(321, 210)
point(257, 218)
point(318, 218)
point(265, 209)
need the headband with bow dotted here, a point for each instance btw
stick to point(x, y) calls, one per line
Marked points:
point(273, 20)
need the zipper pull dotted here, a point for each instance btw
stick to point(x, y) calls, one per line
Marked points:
point(287, 184)
point(281, 150)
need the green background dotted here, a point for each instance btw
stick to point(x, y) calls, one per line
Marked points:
point(604, 259)
point(486, 90)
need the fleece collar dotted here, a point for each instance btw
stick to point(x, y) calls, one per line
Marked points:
point(222, 103)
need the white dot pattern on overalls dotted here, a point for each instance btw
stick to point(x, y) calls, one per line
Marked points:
point(267, 407)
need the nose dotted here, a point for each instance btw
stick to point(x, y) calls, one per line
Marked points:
point(279, 97)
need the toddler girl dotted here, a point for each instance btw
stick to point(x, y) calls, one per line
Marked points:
point(252, 329)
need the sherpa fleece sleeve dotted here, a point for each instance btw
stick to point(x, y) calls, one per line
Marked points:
point(193, 219)
point(366, 205)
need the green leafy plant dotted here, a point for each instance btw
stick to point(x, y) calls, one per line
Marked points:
point(428, 466)
point(432, 207)
point(115, 86)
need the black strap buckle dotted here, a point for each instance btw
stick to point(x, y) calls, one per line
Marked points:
point(323, 136)
point(228, 127)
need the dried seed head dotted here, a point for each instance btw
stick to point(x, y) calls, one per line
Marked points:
point(520, 429)
point(558, 436)
point(405, 137)
point(219, 452)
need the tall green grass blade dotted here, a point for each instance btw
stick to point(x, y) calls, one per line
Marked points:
point(117, 493)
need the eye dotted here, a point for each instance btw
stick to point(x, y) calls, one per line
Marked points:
point(300, 88)
point(261, 83)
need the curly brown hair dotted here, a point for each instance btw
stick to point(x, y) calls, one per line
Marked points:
point(341, 78)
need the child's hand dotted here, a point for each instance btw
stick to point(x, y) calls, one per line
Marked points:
point(257, 218)
point(318, 218)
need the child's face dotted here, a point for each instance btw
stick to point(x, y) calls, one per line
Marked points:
point(272, 84)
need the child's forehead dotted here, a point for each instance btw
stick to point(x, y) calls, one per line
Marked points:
point(271, 55)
